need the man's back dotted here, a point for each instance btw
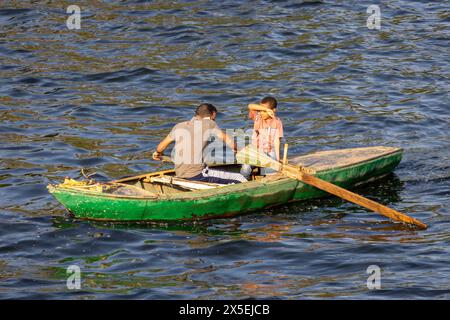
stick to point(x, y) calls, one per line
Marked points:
point(191, 137)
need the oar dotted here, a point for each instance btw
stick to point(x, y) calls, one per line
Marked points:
point(166, 159)
point(250, 155)
point(126, 178)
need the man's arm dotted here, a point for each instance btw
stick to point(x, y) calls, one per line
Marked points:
point(161, 147)
point(227, 139)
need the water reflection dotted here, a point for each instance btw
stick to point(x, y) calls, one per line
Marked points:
point(102, 97)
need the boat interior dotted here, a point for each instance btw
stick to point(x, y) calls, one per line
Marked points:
point(165, 182)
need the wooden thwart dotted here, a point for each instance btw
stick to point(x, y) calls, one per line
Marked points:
point(187, 184)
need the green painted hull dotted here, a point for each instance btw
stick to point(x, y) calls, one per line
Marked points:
point(219, 202)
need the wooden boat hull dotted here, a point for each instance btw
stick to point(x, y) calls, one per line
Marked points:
point(346, 168)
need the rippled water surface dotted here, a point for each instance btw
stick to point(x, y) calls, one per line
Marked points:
point(103, 96)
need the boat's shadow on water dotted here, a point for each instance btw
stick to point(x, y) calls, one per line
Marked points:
point(328, 210)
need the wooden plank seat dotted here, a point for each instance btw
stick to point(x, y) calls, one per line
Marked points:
point(184, 183)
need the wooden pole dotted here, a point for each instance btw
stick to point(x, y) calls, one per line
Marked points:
point(285, 160)
point(352, 197)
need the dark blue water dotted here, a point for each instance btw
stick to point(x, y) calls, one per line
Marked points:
point(102, 97)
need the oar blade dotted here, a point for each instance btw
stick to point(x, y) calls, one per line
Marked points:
point(252, 156)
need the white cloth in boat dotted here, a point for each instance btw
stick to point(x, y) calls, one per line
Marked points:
point(219, 176)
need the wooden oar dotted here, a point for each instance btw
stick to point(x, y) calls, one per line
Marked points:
point(250, 155)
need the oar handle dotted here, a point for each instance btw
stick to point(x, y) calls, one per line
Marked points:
point(166, 159)
point(163, 158)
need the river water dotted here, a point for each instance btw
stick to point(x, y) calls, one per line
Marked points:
point(103, 96)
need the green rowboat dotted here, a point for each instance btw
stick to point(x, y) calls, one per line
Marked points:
point(161, 197)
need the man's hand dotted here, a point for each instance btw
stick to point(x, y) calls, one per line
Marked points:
point(161, 147)
point(156, 156)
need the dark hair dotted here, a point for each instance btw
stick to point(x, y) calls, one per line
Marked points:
point(205, 110)
point(270, 101)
